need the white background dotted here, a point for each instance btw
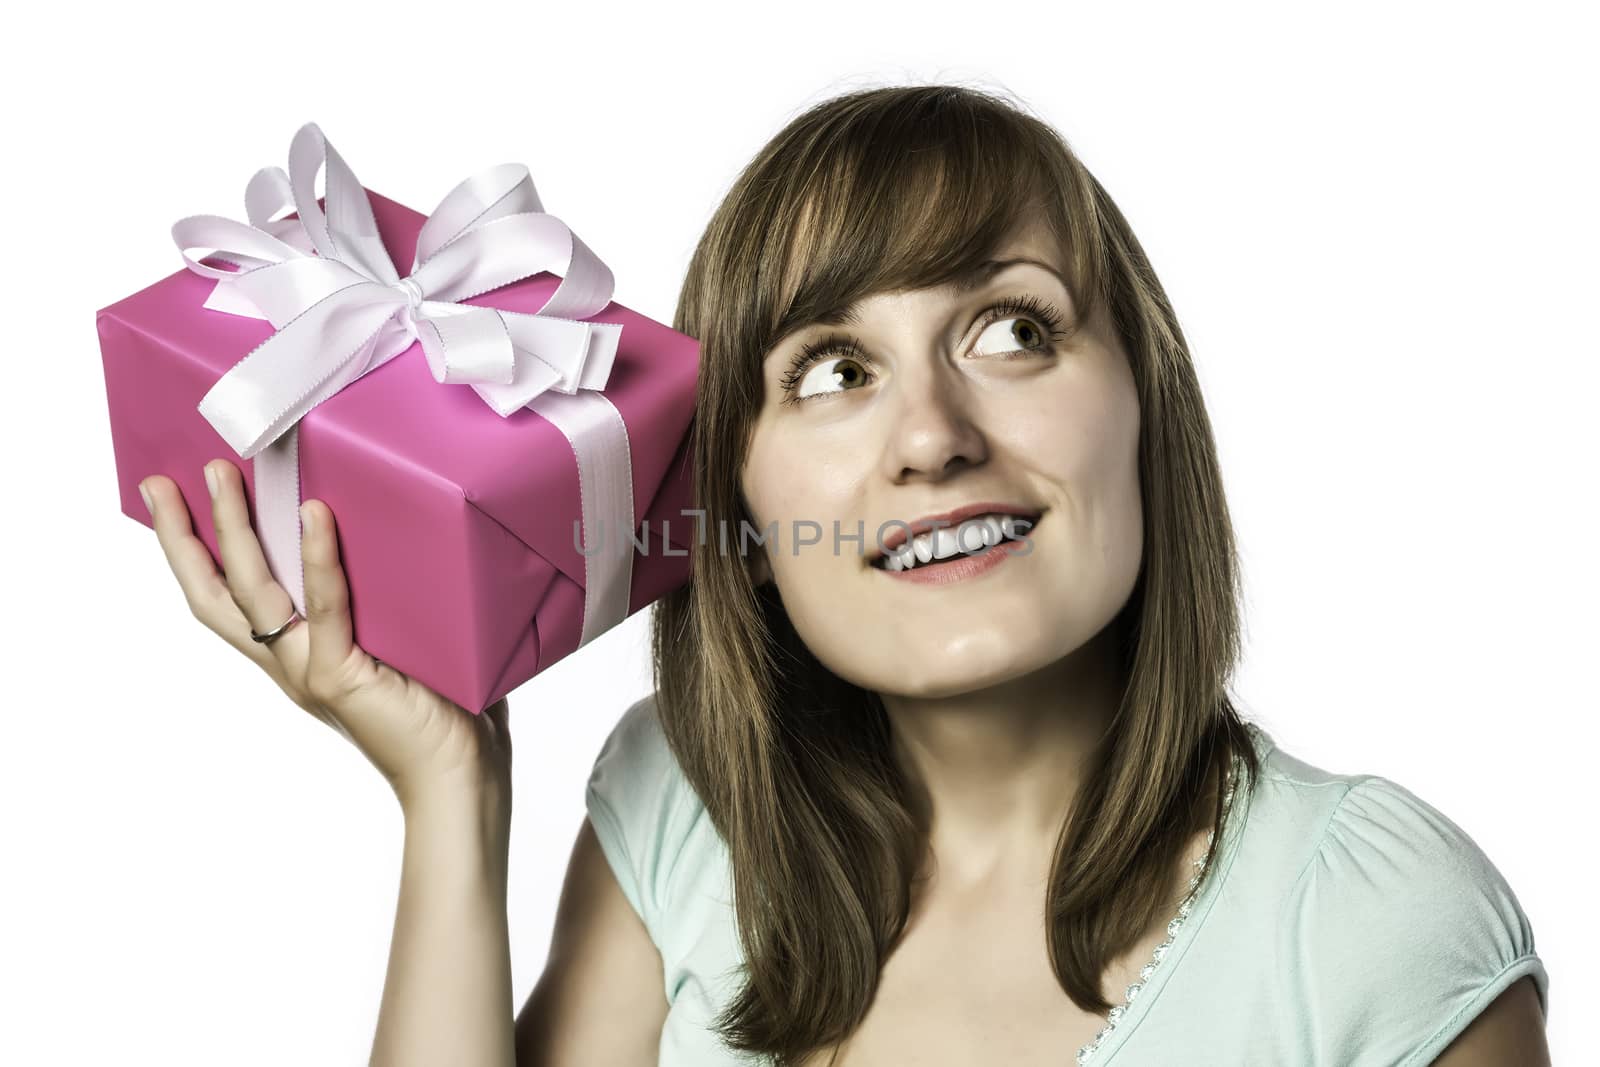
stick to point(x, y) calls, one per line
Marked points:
point(1378, 226)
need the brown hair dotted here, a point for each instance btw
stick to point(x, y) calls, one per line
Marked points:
point(905, 187)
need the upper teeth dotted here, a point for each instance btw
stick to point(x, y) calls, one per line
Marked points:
point(971, 535)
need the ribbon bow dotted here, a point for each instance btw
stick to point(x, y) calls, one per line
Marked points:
point(341, 310)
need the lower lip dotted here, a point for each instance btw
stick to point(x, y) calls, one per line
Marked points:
point(965, 567)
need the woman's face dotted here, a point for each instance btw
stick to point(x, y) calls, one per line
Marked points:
point(948, 404)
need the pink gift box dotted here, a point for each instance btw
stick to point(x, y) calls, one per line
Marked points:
point(456, 525)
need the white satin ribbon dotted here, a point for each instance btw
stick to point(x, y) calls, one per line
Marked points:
point(326, 283)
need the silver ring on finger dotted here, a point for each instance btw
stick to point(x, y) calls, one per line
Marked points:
point(272, 635)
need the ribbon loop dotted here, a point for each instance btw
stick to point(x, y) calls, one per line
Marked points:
point(481, 242)
point(242, 245)
point(482, 198)
point(325, 281)
point(467, 347)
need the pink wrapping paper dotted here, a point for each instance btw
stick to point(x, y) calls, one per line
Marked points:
point(455, 524)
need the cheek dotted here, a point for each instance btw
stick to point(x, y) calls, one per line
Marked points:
point(1083, 436)
point(789, 482)
point(1084, 441)
point(757, 481)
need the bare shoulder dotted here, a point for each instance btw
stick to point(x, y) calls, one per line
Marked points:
point(1509, 1030)
point(601, 997)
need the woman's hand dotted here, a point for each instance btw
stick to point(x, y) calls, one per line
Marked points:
point(424, 745)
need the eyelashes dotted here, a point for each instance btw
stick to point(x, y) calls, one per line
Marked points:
point(1039, 311)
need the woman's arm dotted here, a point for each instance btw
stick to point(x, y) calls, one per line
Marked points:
point(1509, 1030)
point(447, 995)
point(602, 997)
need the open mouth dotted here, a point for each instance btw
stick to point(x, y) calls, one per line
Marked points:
point(970, 537)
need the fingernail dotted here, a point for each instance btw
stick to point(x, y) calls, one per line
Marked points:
point(305, 521)
point(211, 482)
point(148, 506)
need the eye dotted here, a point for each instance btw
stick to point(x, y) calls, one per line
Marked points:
point(1017, 332)
point(815, 368)
point(1036, 327)
point(844, 371)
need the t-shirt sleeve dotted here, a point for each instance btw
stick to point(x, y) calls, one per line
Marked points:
point(636, 800)
point(1405, 931)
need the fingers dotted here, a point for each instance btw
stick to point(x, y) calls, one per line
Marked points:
point(203, 587)
point(327, 596)
point(210, 597)
point(260, 598)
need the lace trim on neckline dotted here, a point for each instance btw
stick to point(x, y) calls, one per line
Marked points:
point(1115, 1016)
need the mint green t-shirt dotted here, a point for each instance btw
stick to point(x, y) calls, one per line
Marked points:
point(1348, 922)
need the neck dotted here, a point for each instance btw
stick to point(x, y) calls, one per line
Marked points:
point(994, 772)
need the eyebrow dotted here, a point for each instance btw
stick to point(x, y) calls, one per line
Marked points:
point(978, 276)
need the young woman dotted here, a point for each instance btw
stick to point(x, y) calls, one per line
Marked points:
point(980, 796)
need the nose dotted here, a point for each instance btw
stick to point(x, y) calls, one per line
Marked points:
point(934, 433)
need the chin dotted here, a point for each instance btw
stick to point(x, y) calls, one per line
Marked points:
point(964, 667)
